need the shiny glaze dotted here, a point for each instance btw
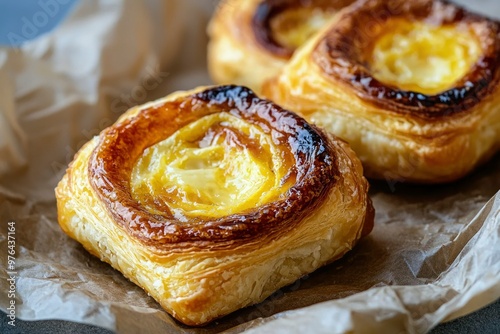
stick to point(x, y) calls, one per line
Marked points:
point(268, 9)
point(341, 55)
point(314, 170)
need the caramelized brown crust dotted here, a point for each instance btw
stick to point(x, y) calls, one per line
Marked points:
point(112, 162)
point(266, 10)
point(341, 55)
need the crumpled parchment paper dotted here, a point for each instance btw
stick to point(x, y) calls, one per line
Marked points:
point(433, 255)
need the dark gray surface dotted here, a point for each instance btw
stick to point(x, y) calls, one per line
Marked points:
point(48, 327)
point(486, 320)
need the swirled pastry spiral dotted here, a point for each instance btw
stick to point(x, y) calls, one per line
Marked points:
point(251, 40)
point(413, 86)
point(212, 199)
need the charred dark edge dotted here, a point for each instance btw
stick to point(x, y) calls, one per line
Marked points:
point(309, 191)
point(479, 83)
point(268, 9)
point(261, 26)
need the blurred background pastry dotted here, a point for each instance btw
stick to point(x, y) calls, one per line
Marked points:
point(251, 40)
point(412, 86)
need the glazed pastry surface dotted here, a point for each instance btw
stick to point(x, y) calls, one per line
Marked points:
point(413, 86)
point(212, 199)
point(251, 40)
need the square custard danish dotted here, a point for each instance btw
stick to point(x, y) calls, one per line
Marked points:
point(212, 199)
point(412, 86)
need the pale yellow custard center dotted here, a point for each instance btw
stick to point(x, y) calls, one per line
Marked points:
point(215, 166)
point(420, 57)
point(294, 27)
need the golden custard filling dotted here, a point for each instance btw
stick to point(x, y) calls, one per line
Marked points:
point(213, 167)
point(424, 58)
point(293, 27)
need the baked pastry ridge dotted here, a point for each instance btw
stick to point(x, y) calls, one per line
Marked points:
point(412, 86)
point(199, 255)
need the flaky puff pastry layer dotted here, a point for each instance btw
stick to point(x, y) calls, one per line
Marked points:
point(163, 196)
point(411, 85)
point(251, 40)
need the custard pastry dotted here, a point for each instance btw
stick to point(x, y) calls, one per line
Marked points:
point(251, 40)
point(413, 86)
point(212, 199)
